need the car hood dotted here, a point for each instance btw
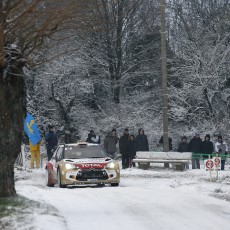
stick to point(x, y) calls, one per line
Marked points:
point(87, 163)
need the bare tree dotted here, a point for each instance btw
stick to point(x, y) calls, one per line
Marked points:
point(95, 63)
point(25, 26)
point(124, 40)
point(200, 74)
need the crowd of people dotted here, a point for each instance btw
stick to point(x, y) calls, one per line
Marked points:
point(130, 144)
point(206, 148)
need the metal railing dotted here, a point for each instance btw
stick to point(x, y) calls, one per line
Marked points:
point(206, 156)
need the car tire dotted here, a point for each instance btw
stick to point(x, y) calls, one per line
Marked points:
point(114, 184)
point(48, 178)
point(59, 180)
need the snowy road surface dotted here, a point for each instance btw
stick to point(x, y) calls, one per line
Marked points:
point(154, 199)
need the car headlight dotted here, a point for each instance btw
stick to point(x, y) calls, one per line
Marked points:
point(110, 165)
point(69, 166)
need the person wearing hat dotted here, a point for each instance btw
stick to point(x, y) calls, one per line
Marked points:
point(194, 146)
point(207, 147)
point(221, 148)
point(51, 141)
point(183, 147)
point(93, 138)
point(123, 147)
point(141, 139)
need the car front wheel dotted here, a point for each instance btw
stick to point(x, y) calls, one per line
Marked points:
point(59, 180)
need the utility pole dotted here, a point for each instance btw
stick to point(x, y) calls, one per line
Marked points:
point(2, 54)
point(164, 79)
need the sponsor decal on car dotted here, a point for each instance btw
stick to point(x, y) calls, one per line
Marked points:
point(91, 165)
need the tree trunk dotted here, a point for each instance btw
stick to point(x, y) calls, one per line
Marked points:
point(2, 55)
point(12, 114)
point(116, 92)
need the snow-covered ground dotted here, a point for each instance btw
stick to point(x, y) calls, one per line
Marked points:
point(146, 199)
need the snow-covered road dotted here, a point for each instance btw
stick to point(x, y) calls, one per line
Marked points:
point(162, 199)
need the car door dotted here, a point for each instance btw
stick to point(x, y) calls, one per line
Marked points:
point(58, 156)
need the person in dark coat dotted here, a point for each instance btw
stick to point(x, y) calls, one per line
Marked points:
point(93, 138)
point(51, 141)
point(131, 150)
point(141, 140)
point(183, 147)
point(68, 138)
point(195, 147)
point(207, 147)
point(110, 143)
point(123, 147)
point(170, 142)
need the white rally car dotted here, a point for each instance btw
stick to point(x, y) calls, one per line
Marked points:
point(81, 163)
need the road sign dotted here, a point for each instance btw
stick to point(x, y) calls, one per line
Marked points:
point(217, 162)
point(209, 164)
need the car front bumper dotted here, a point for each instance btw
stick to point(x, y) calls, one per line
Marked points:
point(90, 176)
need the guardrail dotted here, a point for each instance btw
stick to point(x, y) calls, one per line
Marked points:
point(205, 156)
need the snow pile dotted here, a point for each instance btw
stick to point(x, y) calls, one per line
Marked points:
point(163, 198)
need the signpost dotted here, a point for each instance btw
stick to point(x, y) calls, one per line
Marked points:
point(213, 165)
point(209, 166)
point(217, 162)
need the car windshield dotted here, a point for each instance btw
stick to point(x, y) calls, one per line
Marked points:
point(78, 152)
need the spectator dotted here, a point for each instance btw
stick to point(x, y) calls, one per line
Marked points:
point(68, 137)
point(51, 141)
point(93, 138)
point(141, 141)
point(222, 148)
point(207, 147)
point(170, 142)
point(110, 143)
point(183, 147)
point(195, 147)
point(123, 146)
point(131, 150)
point(35, 155)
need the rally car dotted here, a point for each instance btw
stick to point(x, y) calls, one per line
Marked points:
point(81, 163)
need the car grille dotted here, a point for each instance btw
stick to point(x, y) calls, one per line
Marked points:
point(92, 174)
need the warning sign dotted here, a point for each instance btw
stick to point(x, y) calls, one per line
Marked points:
point(209, 164)
point(217, 162)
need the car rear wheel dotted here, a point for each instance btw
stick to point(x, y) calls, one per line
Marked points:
point(49, 178)
point(59, 180)
point(114, 184)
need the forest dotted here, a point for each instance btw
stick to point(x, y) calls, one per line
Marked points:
point(96, 64)
point(104, 72)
